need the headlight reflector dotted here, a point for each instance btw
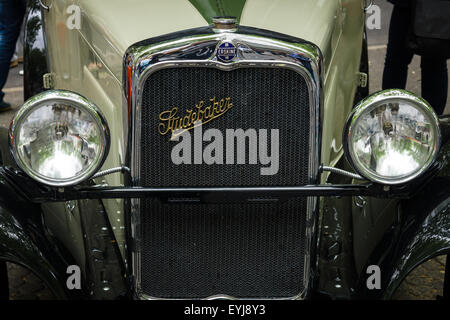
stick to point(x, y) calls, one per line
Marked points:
point(59, 138)
point(392, 137)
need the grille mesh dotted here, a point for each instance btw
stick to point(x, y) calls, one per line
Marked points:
point(243, 250)
point(195, 251)
point(263, 98)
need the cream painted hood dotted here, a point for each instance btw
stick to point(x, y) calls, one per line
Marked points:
point(114, 25)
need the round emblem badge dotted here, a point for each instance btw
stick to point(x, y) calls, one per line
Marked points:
point(226, 52)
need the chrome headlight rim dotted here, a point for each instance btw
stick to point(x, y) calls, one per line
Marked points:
point(65, 97)
point(375, 100)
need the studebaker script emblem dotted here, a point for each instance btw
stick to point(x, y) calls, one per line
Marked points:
point(171, 121)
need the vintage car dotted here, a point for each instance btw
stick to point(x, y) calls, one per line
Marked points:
point(199, 149)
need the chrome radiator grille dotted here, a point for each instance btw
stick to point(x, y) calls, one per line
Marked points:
point(224, 243)
point(241, 250)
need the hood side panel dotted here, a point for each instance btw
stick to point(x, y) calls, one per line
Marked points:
point(127, 22)
point(300, 19)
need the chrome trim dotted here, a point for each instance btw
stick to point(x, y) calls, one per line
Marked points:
point(199, 50)
point(121, 169)
point(376, 99)
point(45, 7)
point(369, 4)
point(73, 99)
point(342, 172)
point(221, 297)
point(224, 20)
point(360, 201)
point(224, 24)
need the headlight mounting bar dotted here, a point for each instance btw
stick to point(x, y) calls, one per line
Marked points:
point(38, 193)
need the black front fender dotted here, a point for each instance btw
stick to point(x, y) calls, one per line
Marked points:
point(22, 242)
point(24, 239)
point(422, 232)
point(425, 231)
point(424, 238)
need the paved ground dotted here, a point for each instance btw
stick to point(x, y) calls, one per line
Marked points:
point(424, 283)
point(23, 285)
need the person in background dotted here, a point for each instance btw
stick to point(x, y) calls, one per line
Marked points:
point(11, 17)
point(16, 59)
point(399, 56)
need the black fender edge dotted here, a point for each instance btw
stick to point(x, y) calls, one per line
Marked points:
point(24, 239)
point(421, 232)
point(35, 50)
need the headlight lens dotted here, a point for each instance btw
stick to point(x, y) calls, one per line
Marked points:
point(392, 137)
point(59, 138)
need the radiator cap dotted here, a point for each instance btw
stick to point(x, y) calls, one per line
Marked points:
point(226, 23)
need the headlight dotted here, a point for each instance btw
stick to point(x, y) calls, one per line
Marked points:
point(59, 138)
point(392, 137)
